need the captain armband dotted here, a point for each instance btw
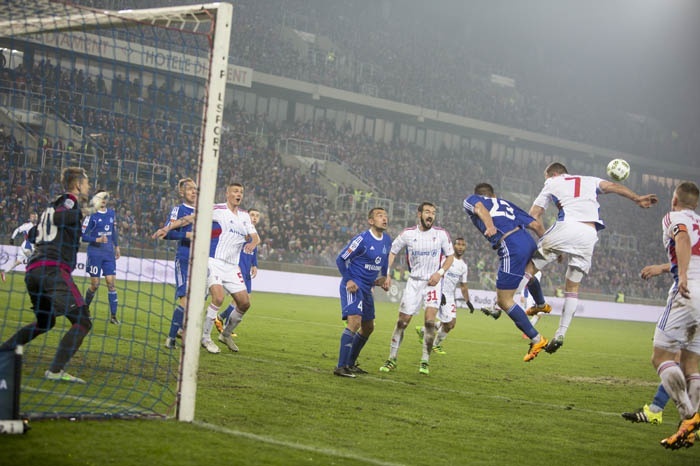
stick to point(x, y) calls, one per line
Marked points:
point(679, 228)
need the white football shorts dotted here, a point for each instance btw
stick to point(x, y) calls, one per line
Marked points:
point(447, 311)
point(678, 326)
point(575, 239)
point(417, 293)
point(227, 275)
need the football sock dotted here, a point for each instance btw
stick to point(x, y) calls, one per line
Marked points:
point(176, 321)
point(660, 400)
point(519, 317)
point(396, 339)
point(567, 313)
point(233, 320)
point(89, 295)
point(674, 382)
point(113, 302)
point(693, 382)
point(212, 310)
point(345, 347)
point(67, 347)
point(358, 342)
point(428, 339)
point(227, 312)
point(440, 337)
point(23, 336)
point(536, 291)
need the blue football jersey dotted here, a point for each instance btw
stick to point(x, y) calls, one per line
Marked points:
point(180, 234)
point(247, 261)
point(364, 259)
point(506, 215)
point(97, 225)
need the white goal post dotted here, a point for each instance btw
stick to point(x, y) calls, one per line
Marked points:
point(214, 19)
point(209, 161)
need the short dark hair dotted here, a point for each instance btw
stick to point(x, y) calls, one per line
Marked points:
point(483, 189)
point(373, 210)
point(253, 209)
point(425, 204)
point(233, 183)
point(460, 238)
point(555, 168)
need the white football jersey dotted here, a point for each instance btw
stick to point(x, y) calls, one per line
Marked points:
point(576, 197)
point(425, 250)
point(22, 229)
point(684, 220)
point(229, 232)
point(455, 275)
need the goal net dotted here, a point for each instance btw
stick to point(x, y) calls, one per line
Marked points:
point(135, 97)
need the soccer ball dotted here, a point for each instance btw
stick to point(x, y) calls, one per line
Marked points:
point(618, 169)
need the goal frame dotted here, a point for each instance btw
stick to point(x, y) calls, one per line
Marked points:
point(61, 16)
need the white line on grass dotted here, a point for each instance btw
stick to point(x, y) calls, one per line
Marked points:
point(294, 445)
point(83, 399)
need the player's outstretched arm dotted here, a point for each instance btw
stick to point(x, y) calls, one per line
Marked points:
point(653, 270)
point(173, 225)
point(644, 201)
point(160, 233)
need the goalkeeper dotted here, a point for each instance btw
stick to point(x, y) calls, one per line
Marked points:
point(48, 275)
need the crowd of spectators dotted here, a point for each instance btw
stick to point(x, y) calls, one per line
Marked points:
point(300, 222)
point(408, 172)
point(418, 55)
point(301, 225)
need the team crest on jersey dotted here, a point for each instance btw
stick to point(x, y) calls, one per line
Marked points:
point(378, 260)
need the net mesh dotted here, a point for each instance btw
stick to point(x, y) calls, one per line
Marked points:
point(120, 94)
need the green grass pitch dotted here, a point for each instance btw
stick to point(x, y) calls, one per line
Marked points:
point(276, 402)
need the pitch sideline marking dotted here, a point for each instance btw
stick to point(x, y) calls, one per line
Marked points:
point(294, 445)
